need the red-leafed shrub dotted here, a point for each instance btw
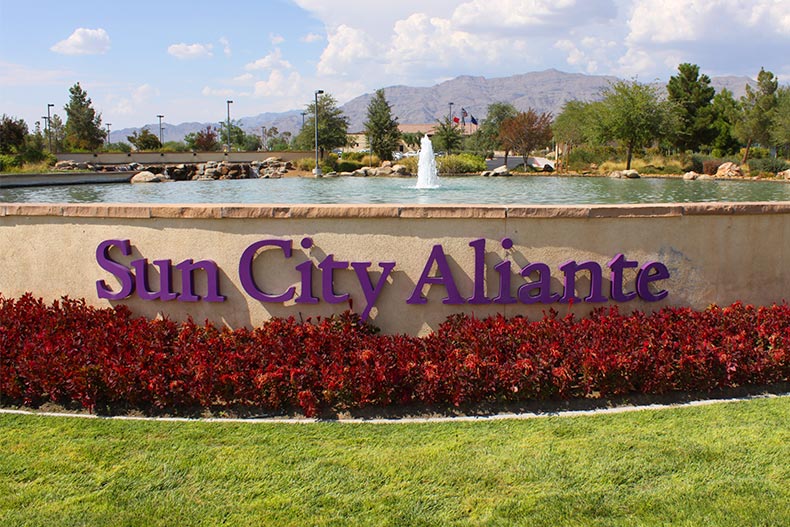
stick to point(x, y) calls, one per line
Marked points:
point(72, 353)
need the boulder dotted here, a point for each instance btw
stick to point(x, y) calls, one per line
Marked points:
point(729, 170)
point(486, 173)
point(785, 174)
point(384, 171)
point(147, 177)
point(500, 171)
point(386, 164)
point(400, 170)
point(690, 176)
point(705, 177)
point(631, 174)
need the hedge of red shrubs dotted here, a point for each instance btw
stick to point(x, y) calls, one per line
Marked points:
point(69, 352)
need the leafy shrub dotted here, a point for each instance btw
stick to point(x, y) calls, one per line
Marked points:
point(370, 160)
point(582, 157)
point(460, 164)
point(352, 156)
point(347, 165)
point(104, 358)
point(308, 164)
point(768, 165)
point(411, 163)
point(8, 161)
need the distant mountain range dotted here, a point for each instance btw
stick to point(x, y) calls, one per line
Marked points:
point(542, 90)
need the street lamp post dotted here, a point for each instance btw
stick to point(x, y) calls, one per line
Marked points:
point(303, 114)
point(108, 133)
point(49, 129)
point(229, 103)
point(160, 129)
point(317, 167)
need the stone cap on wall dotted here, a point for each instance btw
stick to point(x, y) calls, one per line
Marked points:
point(279, 211)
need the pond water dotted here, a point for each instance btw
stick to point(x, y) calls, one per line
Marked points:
point(548, 190)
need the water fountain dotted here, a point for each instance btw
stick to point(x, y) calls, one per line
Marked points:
point(426, 168)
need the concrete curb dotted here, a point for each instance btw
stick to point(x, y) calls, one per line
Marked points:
point(406, 420)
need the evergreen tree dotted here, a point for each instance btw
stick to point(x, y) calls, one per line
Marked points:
point(57, 132)
point(780, 127)
point(332, 126)
point(691, 95)
point(726, 112)
point(381, 128)
point(754, 125)
point(83, 125)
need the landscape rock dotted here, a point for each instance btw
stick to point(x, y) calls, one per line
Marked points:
point(500, 171)
point(785, 174)
point(690, 176)
point(148, 177)
point(400, 170)
point(729, 169)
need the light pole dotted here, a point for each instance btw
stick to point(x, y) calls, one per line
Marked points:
point(229, 103)
point(303, 114)
point(451, 111)
point(160, 129)
point(317, 168)
point(108, 133)
point(49, 130)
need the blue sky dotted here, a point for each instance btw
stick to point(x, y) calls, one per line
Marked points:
point(185, 59)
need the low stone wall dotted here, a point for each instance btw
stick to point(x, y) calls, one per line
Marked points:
point(404, 267)
point(148, 158)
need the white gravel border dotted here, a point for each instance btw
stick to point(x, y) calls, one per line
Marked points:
point(404, 420)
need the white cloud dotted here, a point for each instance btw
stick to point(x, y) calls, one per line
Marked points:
point(225, 46)
point(84, 42)
point(272, 60)
point(190, 51)
point(133, 102)
point(346, 47)
point(311, 37)
point(279, 85)
point(276, 39)
point(244, 78)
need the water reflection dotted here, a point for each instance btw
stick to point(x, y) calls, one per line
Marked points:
point(467, 190)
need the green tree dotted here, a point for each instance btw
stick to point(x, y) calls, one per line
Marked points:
point(332, 126)
point(691, 95)
point(381, 128)
point(447, 135)
point(572, 126)
point(631, 114)
point(12, 135)
point(57, 132)
point(83, 125)
point(780, 127)
point(145, 140)
point(203, 140)
point(726, 112)
point(525, 132)
point(754, 125)
point(496, 114)
point(412, 139)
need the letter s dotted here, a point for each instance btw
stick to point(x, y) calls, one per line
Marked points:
point(120, 272)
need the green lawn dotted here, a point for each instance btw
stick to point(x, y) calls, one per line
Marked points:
point(724, 464)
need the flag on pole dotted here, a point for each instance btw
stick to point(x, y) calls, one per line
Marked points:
point(473, 120)
point(456, 120)
point(463, 116)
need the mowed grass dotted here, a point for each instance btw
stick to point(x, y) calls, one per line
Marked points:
point(723, 464)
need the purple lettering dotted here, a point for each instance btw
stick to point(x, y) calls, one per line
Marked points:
point(370, 291)
point(617, 265)
point(165, 292)
point(570, 268)
point(328, 266)
point(187, 269)
point(644, 279)
point(479, 296)
point(120, 272)
point(444, 278)
point(246, 273)
point(542, 284)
